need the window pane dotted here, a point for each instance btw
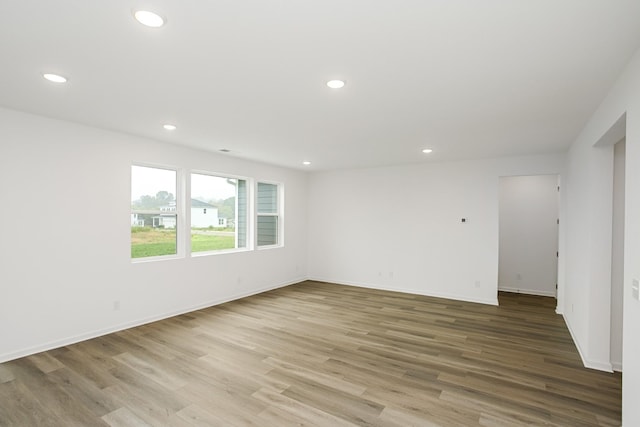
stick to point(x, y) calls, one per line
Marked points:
point(158, 238)
point(153, 212)
point(217, 213)
point(268, 215)
point(267, 230)
point(267, 198)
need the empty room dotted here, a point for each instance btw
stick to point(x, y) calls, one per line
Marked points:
point(336, 213)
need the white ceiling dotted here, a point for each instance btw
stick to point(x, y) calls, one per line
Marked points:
point(467, 78)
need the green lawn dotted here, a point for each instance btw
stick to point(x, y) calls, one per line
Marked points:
point(148, 242)
point(201, 243)
point(144, 250)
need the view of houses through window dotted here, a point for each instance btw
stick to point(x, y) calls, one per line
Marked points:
point(217, 213)
point(154, 216)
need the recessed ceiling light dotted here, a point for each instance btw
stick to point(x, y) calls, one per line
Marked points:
point(170, 127)
point(427, 150)
point(306, 163)
point(54, 78)
point(335, 84)
point(149, 19)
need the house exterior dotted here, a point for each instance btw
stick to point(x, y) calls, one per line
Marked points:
point(137, 220)
point(167, 217)
point(204, 215)
point(164, 221)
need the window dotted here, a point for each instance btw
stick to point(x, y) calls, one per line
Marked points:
point(218, 213)
point(218, 208)
point(154, 217)
point(268, 210)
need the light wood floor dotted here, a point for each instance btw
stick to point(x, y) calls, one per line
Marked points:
point(321, 354)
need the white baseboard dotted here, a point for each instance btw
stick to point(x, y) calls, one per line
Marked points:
point(617, 366)
point(591, 364)
point(455, 297)
point(94, 334)
point(527, 291)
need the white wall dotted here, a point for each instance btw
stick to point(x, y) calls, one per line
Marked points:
point(529, 213)
point(589, 186)
point(400, 227)
point(617, 256)
point(65, 246)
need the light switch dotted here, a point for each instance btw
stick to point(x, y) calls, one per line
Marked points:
point(635, 289)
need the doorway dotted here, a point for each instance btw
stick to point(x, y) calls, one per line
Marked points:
point(528, 234)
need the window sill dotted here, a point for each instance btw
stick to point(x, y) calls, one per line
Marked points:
point(266, 247)
point(144, 260)
point(218, 252)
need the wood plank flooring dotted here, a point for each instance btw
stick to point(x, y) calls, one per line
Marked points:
point(318, 354)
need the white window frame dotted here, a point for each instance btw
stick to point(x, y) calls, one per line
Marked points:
point(279, 214)
point(179, 212)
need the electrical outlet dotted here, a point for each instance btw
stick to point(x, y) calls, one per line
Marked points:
point(116, 305)
point(635, 289)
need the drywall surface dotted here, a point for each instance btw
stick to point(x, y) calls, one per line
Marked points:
point(65, 246)
point(401, 228)
point(589, 188)
point(529, 213)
